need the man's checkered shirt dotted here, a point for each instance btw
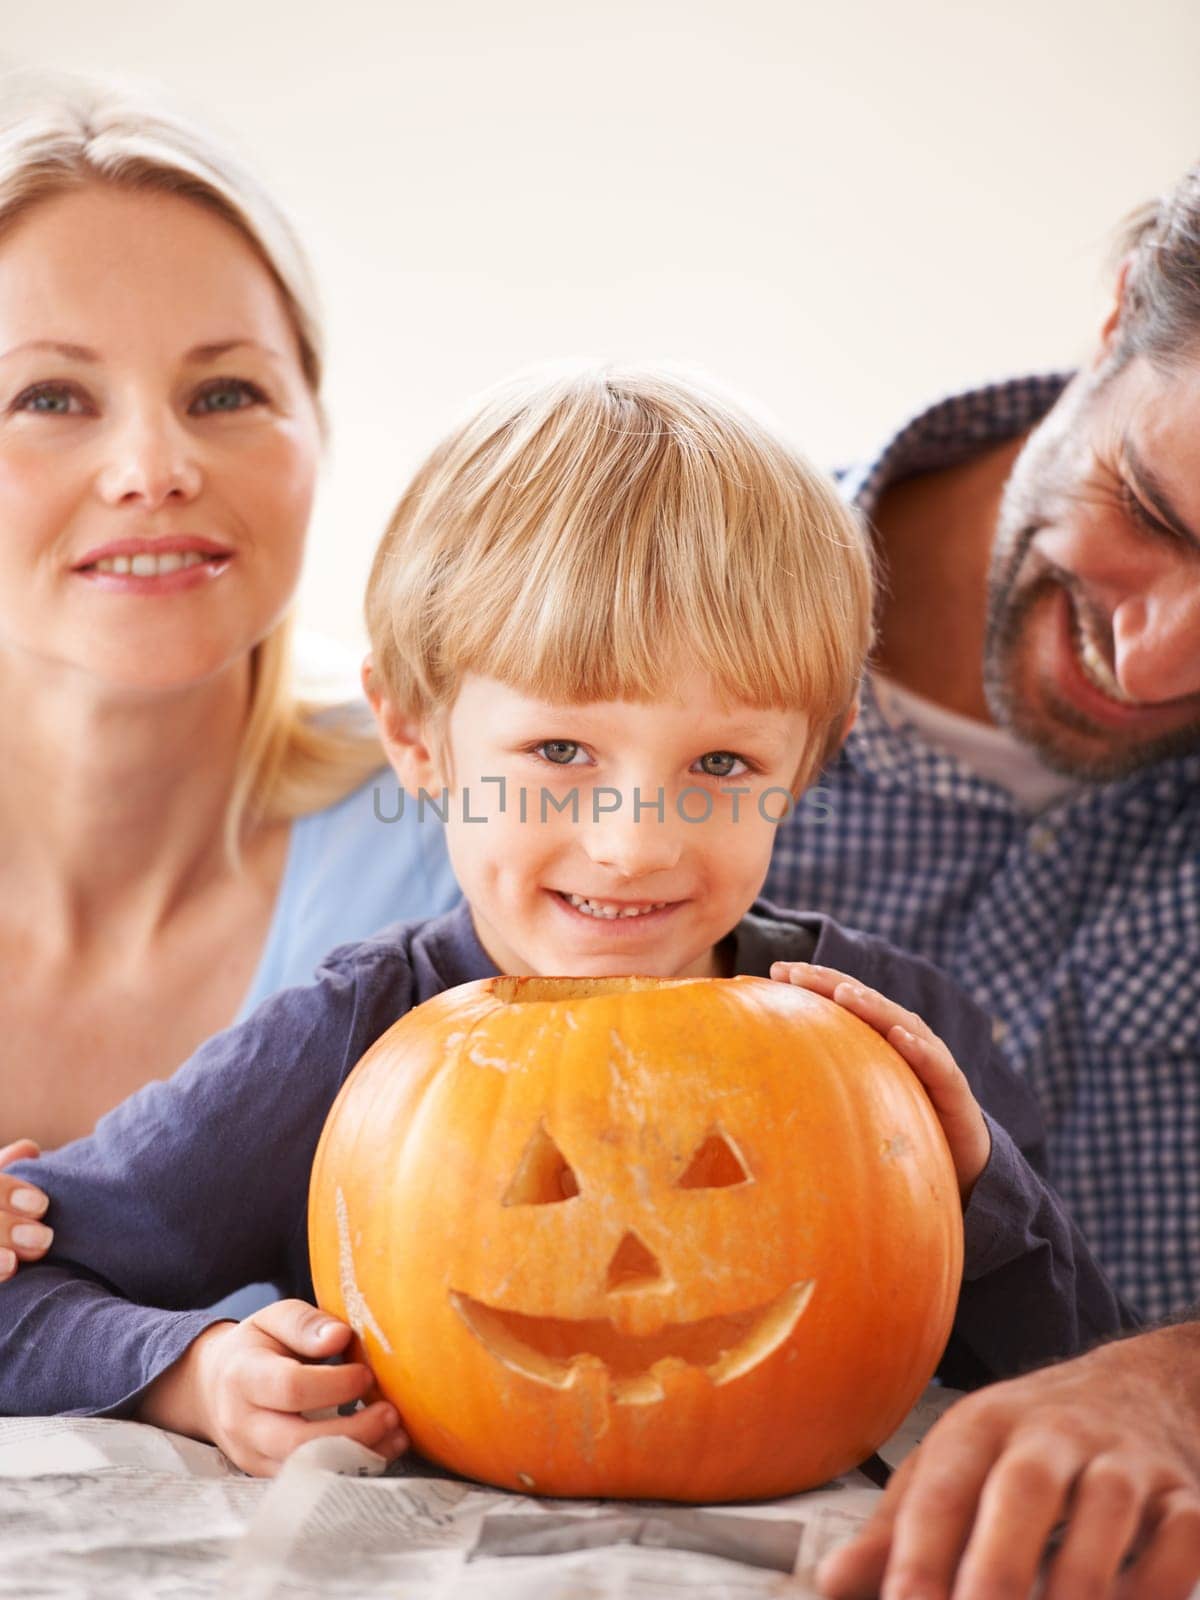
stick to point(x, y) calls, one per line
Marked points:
point(1077, 928)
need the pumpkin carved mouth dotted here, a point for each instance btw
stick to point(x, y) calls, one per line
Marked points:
point(556, 1350)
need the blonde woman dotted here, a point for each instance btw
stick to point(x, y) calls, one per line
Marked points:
point(181, 835)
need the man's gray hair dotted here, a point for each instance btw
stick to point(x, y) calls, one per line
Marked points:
point(1160, 311)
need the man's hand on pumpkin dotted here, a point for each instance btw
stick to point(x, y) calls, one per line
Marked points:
point(247, 1386)
point(22, 1236)
point(940, 1075)
point(1105, 1449)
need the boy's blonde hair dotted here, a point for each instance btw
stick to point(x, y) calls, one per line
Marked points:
point(582, 534)
point(63, 132)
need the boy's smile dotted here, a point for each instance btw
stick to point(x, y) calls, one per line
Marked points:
point(622, 919)
point(592, 907)
point(606, 838)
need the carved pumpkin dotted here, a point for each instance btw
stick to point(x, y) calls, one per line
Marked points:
point(679, 1239)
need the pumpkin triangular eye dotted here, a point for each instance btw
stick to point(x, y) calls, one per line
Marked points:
point(544, 1176)
point(716, 1164)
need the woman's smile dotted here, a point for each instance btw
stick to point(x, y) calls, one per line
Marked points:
point(154, 566)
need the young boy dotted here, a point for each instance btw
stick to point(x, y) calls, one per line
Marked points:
point(619, 624)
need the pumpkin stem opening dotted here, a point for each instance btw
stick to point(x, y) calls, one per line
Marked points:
point(562, 990)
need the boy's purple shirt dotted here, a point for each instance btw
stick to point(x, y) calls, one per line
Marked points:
point(198, 1185)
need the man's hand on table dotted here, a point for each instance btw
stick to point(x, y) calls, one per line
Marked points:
point(1107, 1444)
point(247, 1386)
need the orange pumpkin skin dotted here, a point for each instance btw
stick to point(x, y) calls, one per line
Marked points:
point(676, 1239)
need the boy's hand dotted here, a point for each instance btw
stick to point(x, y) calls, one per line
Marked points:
point(940, 1075)
point(22, 1236)
point(246, 1386)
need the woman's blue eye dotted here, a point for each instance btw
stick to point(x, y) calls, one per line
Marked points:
point(560, 751)
point(50, 400)
point(229, 394)
point(720, 764)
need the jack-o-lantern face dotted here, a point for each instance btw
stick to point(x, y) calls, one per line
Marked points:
point(551, 1350)
point(692, 1239)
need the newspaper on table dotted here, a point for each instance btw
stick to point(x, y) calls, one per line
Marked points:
point(104, 1510)
point(94, 1510)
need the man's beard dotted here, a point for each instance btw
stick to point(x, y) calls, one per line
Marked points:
point(1020, 583)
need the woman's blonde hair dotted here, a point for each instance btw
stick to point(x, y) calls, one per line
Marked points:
point(585, 532)
point(60, 132)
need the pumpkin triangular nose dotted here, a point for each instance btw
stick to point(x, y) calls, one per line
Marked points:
point(632, 1265)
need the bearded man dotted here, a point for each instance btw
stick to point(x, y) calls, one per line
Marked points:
point(1020, 802)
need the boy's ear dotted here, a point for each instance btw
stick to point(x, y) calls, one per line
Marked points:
point(405, 739)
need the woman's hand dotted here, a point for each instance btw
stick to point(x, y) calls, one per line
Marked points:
point(249, 1387)
point(939, 1074)
point(22, 1236)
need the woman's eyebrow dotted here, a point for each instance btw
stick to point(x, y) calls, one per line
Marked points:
point(73, 352)
point(213, 351)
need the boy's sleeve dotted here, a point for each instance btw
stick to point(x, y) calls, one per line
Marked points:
point(190, 1189)
point(1032, 1290)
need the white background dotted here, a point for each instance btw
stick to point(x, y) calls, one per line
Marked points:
point(839, 209)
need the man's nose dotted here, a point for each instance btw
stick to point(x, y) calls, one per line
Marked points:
point(149, 462)
point(1156, 640)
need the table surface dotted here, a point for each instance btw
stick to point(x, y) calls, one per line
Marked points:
point(94, 1510)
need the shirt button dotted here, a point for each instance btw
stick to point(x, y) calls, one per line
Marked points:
point(999, 1031)
point(1041, 839)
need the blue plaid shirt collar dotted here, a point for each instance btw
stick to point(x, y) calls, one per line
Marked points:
point(952, 430)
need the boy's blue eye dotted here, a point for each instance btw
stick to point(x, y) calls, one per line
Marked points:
point(561, 751)
point(720, 763)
